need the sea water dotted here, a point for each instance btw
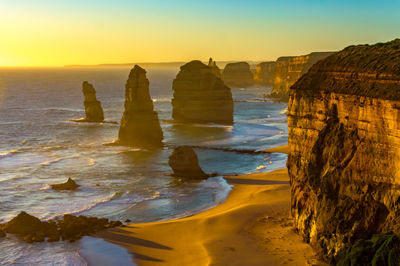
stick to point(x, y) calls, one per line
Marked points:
point(40, 145)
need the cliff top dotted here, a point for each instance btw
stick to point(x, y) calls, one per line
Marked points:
point(311, 55)
point(365, 70)
point(237, 66)
point(377, 58)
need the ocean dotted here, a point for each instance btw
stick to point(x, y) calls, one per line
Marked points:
point(40, 145)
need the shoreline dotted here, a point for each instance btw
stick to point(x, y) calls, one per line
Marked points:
point(252, 227)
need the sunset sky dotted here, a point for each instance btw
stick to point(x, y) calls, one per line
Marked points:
point(57, 33)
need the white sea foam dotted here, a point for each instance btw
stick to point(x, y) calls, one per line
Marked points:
point(162, 99)
point(45, 187)
point(83, 208)
point(46, 163)
point(261, 167)
point(91, 161)
point(7, 153)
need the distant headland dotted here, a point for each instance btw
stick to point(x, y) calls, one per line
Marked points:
point(159, 64)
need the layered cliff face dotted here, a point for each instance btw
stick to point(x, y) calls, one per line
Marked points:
point(238, 75)
point(93, 110)
point(344, 139)
point(289, 69)
point(265, 73)
point(200, 96)
point(139, 124)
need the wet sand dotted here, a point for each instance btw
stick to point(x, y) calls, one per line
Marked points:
point(252, 227)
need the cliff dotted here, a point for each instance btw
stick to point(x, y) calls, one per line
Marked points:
point(139, 124)
point(93, 110)
point(289, 69)
point(200, 96)
point(265, 73)
point(344, 139)
point(238, 75)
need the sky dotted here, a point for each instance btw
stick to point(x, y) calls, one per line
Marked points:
point(57, 33)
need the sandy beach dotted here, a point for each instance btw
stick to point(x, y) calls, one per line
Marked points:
point(252, 227)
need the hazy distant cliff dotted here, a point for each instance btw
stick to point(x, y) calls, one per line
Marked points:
point(289, 69)
point(201, 96)
point(238, 75)
point(265, 73)
point(344, 138)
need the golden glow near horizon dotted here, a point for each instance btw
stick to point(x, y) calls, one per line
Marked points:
point(53, 33)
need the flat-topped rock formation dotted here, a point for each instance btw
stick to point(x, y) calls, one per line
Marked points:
point(289, 69)
point(93, 110)
point(184, 163)
point(139, 124)
point(215, 69)
point(344, 159)
point(200, 96)
point(238, 75)
point(265, 72)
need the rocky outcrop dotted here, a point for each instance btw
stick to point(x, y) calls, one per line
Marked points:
point(93, 110)
point(200, 96)
point(69, 185)
point(344, 139)
point(31, 229)
point(238, 75)
point(289, 69)
point(139, 124)
point(214, 68)
point(184, 163)
point(265, 73)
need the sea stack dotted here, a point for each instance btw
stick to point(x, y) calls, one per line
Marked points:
point(238, 75)
point(184, 163)
point(215, 69)
point(139, 124)
point(93, 110)
point(200, 96)
point(265, 72)
point(344, 158)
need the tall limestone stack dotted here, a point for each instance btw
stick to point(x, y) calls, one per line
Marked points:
point(200, 96)
point(93, 110)
point(139, 124)
point(215, 69)
point(238, 75)
point(344, 159)
point(265, 72)
point(289, 69)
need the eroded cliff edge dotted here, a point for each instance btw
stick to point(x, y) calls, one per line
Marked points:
point(344, 138)
point(288, 69)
